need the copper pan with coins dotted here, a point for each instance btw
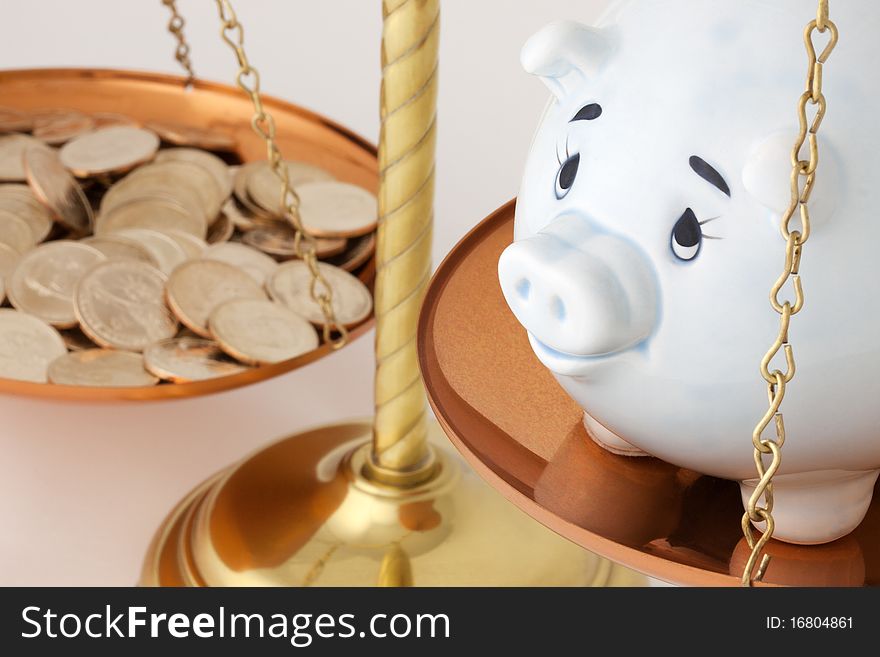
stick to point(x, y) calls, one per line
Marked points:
point(110, 181)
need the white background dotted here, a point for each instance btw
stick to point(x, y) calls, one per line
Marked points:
point(82, 489)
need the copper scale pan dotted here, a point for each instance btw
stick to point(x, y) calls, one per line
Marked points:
point(520, 431)
point(301, 135)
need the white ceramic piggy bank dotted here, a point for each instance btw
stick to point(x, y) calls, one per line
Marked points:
point(647, 239)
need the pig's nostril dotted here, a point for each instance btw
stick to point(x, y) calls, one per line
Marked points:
point(557, 307)
point(523, 288)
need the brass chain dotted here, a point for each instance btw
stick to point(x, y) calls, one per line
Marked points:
point(803, 178)
point(175, 26)
point(248, 79)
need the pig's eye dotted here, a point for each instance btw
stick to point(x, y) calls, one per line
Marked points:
point(687, 236)
point(567, 173)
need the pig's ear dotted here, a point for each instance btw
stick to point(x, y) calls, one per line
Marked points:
point(564, 54)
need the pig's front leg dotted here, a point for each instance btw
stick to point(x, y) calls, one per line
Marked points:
point(817, 507)
point(609, 440)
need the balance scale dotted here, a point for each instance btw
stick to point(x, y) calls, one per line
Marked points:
point(385, 502)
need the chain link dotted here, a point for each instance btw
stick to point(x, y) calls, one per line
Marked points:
point(248, 79)
point(803, 177)
point(175, 26)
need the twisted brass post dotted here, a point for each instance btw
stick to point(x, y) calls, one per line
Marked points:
point(400, 454)
point(381, 522)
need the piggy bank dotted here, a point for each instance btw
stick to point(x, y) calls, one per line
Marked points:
point(647, 238)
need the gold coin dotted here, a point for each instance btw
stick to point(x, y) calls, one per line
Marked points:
point(12, 149)
point(240, 188)
point(120, 247)
point(15, 232)
point(185, 135)
point(232, 171)
point(8, 259)
point(208, 161)
point(191, 175)
point(335, 209)
point(264, 187)
point(153, 212)
point(186, 211)
point(241, 219)
point(106, 119)
point(115, 149)
point(164, 250)
point(329, 246)
point(8, 255)
point(13, 120)
point(20, 201)
point(196, 287)
point(121, 305)
point(257, 264)
point(290, 285)
point(46, 113)
point(184, 182)
point(105, 368)
point(191, 245)
point(189, 359)
point(76, 340)
point(357, 252)
point(58, 190)
point(45, 279)
point(259, 332)
point(277, 239)
point(221, 230)
point(61, 126)
point(27, 346)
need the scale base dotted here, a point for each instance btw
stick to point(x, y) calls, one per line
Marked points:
point(302, 513)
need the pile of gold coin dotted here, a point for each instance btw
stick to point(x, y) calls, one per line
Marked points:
point(132, 255)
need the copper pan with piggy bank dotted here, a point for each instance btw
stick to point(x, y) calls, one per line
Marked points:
point(678, 176)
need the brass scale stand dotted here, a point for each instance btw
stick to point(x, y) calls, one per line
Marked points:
point(360, 503)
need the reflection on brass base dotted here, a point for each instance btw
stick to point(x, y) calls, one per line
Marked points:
point(302, 513)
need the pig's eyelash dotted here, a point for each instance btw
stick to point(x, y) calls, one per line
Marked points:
point(562, 160)
point(706, 221)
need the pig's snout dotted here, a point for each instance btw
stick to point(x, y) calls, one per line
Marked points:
point(577, 292)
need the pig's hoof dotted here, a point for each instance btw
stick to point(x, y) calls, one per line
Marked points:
point(817, 507)
point(609, 440)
